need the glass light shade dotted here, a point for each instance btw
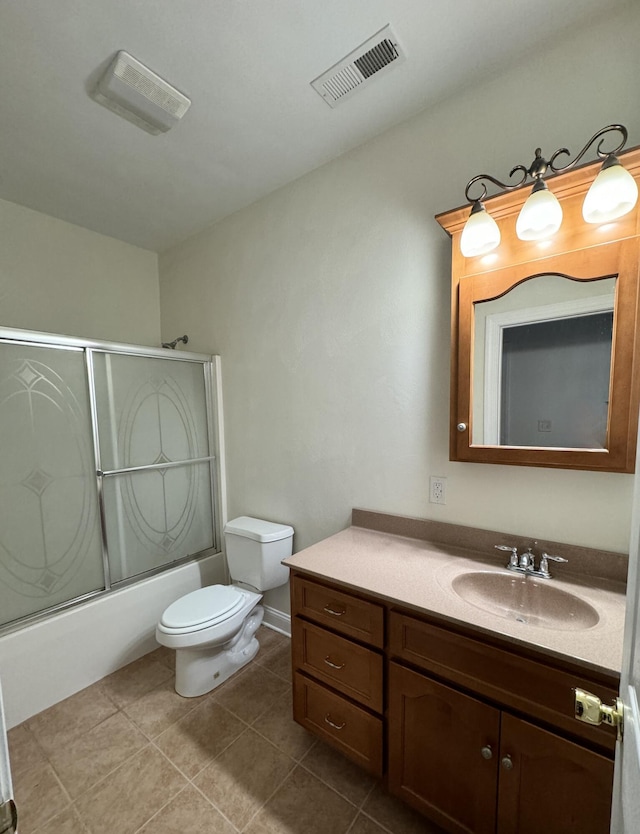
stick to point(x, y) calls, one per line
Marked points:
point(540, 216)
point(613, 194)
point(480, 234)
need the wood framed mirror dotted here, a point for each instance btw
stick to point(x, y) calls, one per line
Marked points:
point(545, 366)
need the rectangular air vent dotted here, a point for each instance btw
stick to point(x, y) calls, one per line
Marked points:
point(378, 53)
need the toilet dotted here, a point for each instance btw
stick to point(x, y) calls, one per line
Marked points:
point(213, 629)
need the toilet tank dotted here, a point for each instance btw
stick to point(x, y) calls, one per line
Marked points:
point(255, 549)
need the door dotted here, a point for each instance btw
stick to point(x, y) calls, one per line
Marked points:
point(8, 818)
point(549, 784)
point(625, 817)
point(443, 752)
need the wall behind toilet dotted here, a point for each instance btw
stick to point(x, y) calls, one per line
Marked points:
point(328, 301)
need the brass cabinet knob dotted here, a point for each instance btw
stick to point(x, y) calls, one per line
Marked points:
point(486, 752)
point(507, 762)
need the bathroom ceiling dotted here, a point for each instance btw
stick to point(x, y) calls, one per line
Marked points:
point(254, 124)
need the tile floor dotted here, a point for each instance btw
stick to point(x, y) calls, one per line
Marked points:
point(129, 755)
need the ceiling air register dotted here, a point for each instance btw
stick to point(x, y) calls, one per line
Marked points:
point(378, 53)
point(137, 94)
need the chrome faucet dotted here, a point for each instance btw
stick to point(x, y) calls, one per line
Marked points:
point(526, 563)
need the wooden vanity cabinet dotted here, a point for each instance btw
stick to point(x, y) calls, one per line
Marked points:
point(338, 669)
point(480, 737)
point(461, 752)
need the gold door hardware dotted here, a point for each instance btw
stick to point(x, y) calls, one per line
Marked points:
point(590, 709)
point(8, 817)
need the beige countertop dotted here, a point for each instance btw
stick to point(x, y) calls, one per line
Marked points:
point(418, 575)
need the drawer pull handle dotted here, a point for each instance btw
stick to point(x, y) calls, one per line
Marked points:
point(327, 720)
point(332, 664)
point(333, 611)
point(487, 752)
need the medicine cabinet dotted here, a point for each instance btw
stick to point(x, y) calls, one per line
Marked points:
point(545, 368)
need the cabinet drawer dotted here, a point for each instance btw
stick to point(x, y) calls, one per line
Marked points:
point(342, 664)
point(521, 683)
point(351, 729)
point(340, 611)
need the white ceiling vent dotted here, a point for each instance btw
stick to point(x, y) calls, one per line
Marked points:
point(136, 93)
point(376, 55)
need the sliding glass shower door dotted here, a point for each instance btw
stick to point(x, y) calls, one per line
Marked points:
point(107, 467)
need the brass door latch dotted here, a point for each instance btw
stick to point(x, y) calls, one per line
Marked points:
point(590, 709)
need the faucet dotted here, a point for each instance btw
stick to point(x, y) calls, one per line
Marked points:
point(526, 563)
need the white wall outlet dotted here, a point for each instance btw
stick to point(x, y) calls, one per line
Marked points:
point(437, 490)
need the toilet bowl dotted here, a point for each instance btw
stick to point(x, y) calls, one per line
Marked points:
point(213, 629)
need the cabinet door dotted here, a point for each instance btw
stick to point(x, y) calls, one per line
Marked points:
point(551, 785)
point(438, 741)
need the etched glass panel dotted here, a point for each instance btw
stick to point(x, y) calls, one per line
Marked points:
point(150, 411)
point(50, 549)
point(157, 516)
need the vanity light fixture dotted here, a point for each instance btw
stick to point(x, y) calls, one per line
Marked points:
point(612, 195)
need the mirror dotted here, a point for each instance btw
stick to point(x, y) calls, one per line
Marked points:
point(542, 364)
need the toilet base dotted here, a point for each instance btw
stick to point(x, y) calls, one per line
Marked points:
point(199, 671)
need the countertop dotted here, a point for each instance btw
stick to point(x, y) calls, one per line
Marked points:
point(417, 575)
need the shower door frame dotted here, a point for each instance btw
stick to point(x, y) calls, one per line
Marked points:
point(211, 367)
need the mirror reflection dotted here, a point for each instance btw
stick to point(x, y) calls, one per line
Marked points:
point(542, 364)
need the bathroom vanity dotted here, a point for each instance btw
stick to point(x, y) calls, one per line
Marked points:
point(460, 692)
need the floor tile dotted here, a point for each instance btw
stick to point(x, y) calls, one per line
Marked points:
point(278, 661)
point(243, 777)
point(38, 796)
point(277, 725)
point(303, 805)
point(269, 639)
point(252, 693)
point(132, 681)
point(199, 737)
point(68, 822)
point(55, 727)
point(395, 816)
point(91, 756)
point(339, 772)
point(188, 813)
point(127, 798)
point(365, 825)
point(166, 656)
point(24, 750)
point(156, 711)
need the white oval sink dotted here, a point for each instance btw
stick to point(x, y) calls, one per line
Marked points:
point(525, 600)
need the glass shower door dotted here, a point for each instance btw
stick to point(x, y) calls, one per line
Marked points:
point(50, 542)
point(155, 456)
point(8, 814)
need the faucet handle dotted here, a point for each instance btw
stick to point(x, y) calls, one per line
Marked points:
point(513, 559)
point(544, 561)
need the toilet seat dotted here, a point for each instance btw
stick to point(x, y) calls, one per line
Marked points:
point(202, 609)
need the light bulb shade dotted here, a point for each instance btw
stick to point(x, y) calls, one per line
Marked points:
point(613, 194)
point(540, 216)
point(480, 234)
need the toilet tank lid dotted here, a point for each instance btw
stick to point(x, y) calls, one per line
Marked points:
point(257, 529)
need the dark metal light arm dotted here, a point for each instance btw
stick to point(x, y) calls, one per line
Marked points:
point(540, 166)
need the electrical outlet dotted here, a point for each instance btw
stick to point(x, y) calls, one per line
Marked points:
point(437, 490)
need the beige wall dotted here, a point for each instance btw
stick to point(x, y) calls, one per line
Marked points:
point(60, 278)
point(329, 303)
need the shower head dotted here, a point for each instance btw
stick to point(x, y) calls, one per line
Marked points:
point(173, 344)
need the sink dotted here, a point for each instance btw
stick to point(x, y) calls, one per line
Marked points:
point(525, 600)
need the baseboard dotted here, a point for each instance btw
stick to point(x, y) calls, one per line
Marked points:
point(277, 620)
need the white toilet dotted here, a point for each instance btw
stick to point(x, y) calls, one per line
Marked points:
point(212, 629)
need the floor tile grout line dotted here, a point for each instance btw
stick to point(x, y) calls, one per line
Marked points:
point(166, 804)
point(334, 789)
point(213, 804)
point(195, 776)
point(271, 795)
